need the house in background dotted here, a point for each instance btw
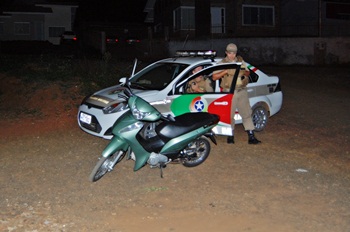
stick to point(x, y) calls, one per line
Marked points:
point(253, 18)
point(214, 18)
point(39, 22)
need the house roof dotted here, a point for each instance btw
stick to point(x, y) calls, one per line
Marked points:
point(39, 7)
point(56, 2)
point(28, 9)
point(3, 15)
point(68, 3)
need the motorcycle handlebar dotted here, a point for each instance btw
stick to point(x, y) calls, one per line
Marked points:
point(168, 118)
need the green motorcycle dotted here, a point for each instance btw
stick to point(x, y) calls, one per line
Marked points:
point(146, 136)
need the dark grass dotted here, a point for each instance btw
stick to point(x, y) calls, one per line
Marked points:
point(92, 70)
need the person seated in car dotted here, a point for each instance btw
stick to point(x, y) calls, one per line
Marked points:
point(200, 84)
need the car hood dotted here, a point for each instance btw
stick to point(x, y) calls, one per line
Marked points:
point(109, 96)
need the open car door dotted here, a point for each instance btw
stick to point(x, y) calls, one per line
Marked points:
point(215, 102)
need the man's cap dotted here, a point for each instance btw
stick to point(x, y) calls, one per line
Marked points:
point(231, 47)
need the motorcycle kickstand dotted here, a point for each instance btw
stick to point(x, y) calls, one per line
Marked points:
point(163, 165)
point(161, 171)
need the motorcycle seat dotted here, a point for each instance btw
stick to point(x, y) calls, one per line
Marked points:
point(185, 123)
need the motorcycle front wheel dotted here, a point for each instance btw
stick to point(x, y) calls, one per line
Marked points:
point(196, 152)
point(104, 165)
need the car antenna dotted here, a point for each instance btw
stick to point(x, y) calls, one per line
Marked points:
point(127, 79)
point(183, 46)
point(134, 68)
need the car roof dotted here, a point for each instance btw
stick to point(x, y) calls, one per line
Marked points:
point(189, 60)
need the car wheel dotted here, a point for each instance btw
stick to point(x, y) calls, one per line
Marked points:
point(260, 116)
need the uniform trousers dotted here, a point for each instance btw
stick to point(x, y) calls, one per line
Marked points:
point(240, 101)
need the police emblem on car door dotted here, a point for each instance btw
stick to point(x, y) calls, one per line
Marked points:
point(214, 101)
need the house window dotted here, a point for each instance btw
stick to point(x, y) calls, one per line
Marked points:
point(184, 18)
point(258, 15)
point(22, 28)
point(56, 31)
point(217, 20)
point(338, 11)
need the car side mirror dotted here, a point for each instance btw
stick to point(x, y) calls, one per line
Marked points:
point(122, 80)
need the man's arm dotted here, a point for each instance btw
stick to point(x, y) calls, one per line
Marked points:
point(219, 74)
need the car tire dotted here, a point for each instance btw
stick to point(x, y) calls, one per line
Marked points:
point(260, 117)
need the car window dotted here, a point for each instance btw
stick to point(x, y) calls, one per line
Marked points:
point(157, 77)
point(187, 76)
point(207, 73)
point(253, 77)
point(200, 84)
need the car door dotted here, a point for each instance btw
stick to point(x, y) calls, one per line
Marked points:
point(215, 102)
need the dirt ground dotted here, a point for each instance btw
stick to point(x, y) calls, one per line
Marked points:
point(298, 179)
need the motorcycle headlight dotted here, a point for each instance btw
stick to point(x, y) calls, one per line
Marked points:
point(139, 115)
point(115, 108)
point(135, 126)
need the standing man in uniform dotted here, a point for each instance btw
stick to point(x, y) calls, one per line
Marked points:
point(240, 99)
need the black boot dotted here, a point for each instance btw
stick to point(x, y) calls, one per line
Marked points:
point(251, 138)
point(230, 139)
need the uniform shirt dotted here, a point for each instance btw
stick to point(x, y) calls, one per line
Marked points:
point(242, 79)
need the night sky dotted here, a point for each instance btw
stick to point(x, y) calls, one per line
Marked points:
point(113, 10)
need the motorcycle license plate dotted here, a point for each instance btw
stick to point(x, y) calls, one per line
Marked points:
point(85, 118)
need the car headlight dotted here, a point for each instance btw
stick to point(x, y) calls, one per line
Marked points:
point(139, 115)
point(115, 108)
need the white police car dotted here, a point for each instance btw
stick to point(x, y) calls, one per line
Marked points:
point(164, 85)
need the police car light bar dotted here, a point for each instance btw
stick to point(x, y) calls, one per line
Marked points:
point(203, 53)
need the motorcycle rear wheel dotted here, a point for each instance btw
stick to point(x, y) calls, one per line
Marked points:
point(199, 152)
point(104, 165)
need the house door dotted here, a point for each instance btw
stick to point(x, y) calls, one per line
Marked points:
point(217, 20)
point(39, 31)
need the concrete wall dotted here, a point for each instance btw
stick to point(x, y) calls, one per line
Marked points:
point(277, 51)
point(9, 25)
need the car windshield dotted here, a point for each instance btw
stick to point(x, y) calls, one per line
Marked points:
point(156, 77)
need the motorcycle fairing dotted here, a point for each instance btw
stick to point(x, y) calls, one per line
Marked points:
point(144, 106)
point(114, 145)
point(179, 143)
point(118, 143)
